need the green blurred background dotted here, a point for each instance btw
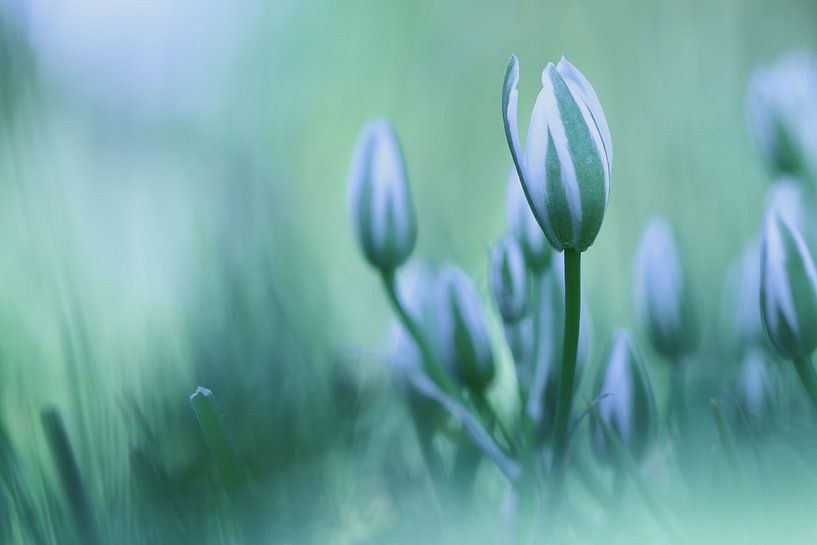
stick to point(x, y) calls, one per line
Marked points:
point(173, 210)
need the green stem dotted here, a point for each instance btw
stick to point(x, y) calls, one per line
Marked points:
point(431, 364)
point(807, 377)
point(572, 259)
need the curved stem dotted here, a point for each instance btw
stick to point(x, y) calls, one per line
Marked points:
point(570, 347)
point(807, 377)
point(431, 364)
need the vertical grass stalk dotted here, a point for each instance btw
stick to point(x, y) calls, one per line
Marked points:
point(232, 475)
point(70, 479)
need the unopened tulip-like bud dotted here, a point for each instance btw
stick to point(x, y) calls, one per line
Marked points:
point(663, 302)
point(509, 279)
point(463, 335)
point(380, 204)
point(565, 171)
point(524, 227)
point(782, 107)
point(626, 400)
point(788, 289)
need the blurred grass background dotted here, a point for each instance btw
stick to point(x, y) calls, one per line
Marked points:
point(172, 213)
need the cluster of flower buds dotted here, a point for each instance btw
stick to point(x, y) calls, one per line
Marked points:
point(625, 401)
point(664, 304)
point(565, 169)
point(782, 106)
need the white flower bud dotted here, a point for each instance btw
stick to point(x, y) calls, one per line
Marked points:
point(463, 335)
point(380, 205)
point(788, 289)
point(782, 108)
point(663, 303)
point(565, 171)
point(509, 279)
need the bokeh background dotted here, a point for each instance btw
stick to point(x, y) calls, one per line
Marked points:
point(173, 213)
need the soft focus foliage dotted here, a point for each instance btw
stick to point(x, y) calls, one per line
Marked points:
point(173, 213)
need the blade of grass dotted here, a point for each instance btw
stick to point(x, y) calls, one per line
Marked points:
point(71, 481)
point(232, 475)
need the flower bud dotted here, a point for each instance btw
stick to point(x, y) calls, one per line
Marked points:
point(782, 108)
point(380, 205)
point(524, 227)
point(756, 386)
point(509, 279)
point(663, 302)
point(463, 335)
point(625, 400)
point(744, 308)
point(788, 289)
point(565, 171)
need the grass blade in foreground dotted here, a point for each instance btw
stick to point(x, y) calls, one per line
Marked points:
point(232, 475)
point(70, 479)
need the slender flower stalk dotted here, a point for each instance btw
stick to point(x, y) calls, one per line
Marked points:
point(565, 176)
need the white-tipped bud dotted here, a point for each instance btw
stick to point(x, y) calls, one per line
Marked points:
point(565, 171)
point(626, 400)
point(663, 302)
point(380, 204)
point(524, 227)
point(509, 279)
point(782, 108)
point(463, 335)
point(788, 289)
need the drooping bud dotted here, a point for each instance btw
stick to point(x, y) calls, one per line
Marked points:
point(625, 400)
point(463, 335)
point(663, 301)
point(509, 279)
point(788, 289)
point(524, 227)
point(565, 171)
point(782, 107)
point(380, 204)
